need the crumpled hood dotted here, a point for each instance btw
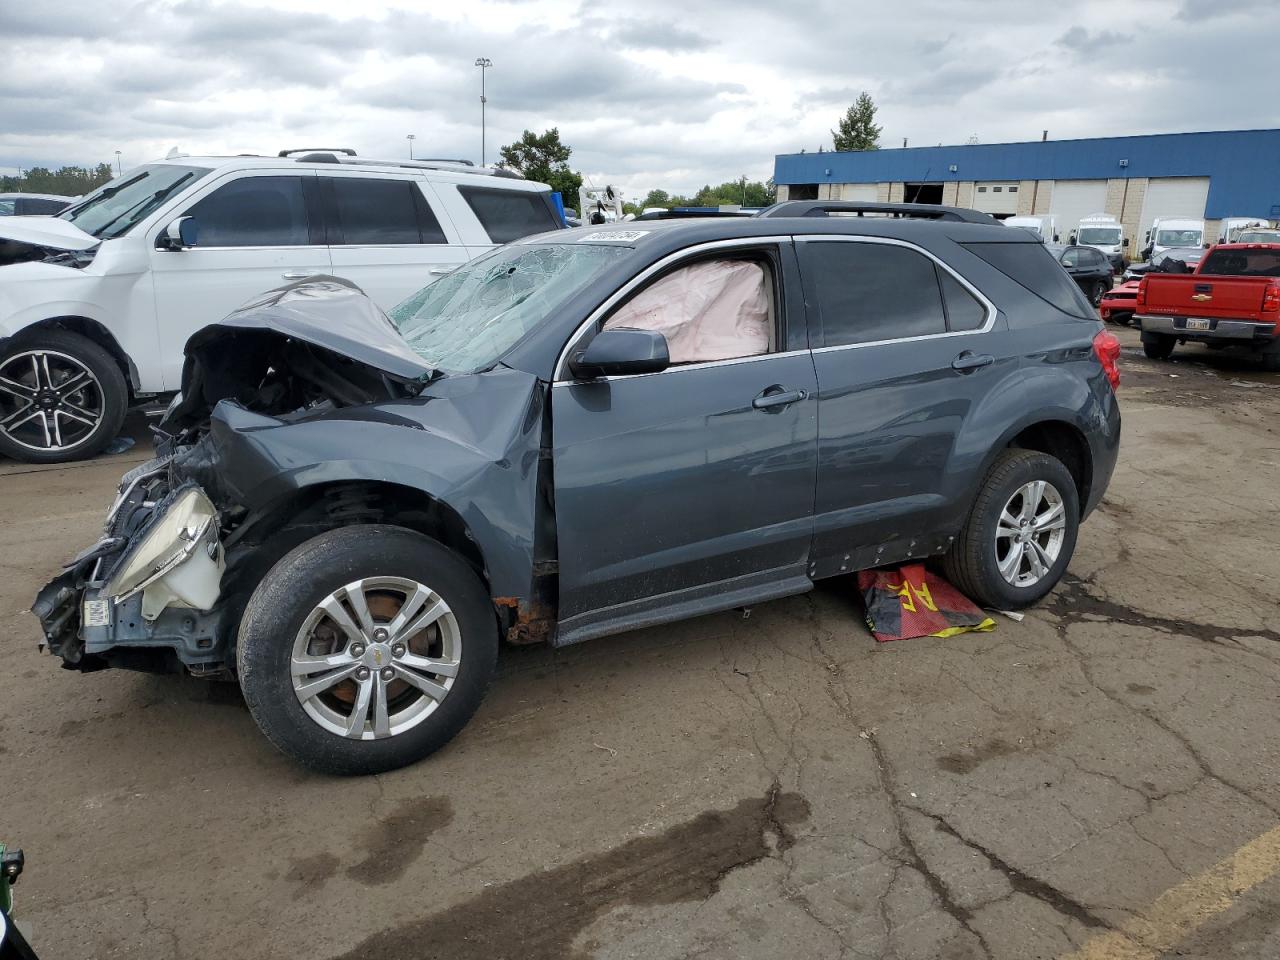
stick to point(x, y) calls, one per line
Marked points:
point(328, 312)
point(51, 232)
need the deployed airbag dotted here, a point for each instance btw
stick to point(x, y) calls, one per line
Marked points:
point(718, 310)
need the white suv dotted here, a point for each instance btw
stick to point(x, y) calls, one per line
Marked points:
point(97, 303)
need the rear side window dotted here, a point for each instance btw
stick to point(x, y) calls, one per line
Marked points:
point(1032, 266)
point(253, 212)
point(384, 212)
point(964, 310)
point(40, 207)
point(872, 291)
point(6, 208)
point(508, 215)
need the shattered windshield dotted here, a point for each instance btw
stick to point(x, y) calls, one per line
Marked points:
point(1100, 236)
point(465, 321)
point(113, 209)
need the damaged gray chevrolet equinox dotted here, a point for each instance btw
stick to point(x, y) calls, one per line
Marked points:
point(582, 433)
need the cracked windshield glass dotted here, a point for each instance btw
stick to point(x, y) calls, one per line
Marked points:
point(465, 321)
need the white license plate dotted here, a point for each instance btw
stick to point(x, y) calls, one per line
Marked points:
point(96, 613)
point(1194, 324)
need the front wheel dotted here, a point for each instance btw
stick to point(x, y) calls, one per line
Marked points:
point(365, 649)
point(1020, 534)
point(62, 397)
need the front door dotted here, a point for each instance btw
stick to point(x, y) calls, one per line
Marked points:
point(256, 233)
point(679, 489)
point(903, 352)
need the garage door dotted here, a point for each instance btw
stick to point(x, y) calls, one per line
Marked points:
point(863, 192)
point(1073, 200)
point(1173, 197)
point(1000, 199)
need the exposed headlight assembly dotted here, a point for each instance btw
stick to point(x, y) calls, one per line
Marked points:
point(177, 562)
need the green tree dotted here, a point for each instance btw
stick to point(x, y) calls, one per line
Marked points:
point(545, 159)
point(858, 130)
point(656, 198)
point(65, 181)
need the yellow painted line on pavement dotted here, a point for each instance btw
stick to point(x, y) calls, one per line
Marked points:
point(1179, 912)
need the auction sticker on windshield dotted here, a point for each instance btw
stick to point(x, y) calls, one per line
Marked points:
point(614, 236)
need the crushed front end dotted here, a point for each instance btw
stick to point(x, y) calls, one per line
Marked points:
point(145, 595)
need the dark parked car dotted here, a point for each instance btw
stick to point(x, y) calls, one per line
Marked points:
point(1089, 268)
point(1173, 260)
point(585, 432)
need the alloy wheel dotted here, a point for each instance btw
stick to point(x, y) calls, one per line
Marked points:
point(376, 657)
point(48, 400)
point(1030, 533)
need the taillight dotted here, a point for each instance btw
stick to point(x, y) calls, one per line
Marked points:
point(1142, 294)
point(1271, 297)
point(1107, 349)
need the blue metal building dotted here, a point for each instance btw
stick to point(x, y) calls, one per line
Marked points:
point(1213, 175)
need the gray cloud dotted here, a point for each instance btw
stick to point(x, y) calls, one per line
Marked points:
point(674, 96)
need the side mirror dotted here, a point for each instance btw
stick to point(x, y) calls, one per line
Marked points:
point(1205, 245)
point(1055, 238)
point(179, 234)
point(616, 353)
point(1073, 239)
point(1125, 242)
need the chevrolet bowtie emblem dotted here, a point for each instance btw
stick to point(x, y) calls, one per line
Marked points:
point(1201, 297)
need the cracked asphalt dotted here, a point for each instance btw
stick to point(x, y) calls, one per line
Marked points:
point(779, 785)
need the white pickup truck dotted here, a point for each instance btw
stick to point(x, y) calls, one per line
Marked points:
point(97, 302)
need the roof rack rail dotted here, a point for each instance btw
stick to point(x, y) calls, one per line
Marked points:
point(288, 153)
point(920, 211)
point(457, 166)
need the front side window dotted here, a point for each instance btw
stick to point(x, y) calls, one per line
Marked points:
point(508, 215)
point(373, 211)
point(465, 321)
point(116, 207)
point(713, 310)
point(873, 291)
point(253, 212)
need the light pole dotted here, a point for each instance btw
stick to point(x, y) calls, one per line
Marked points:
point(119, 168)
point(410, 138)
point(483, 63)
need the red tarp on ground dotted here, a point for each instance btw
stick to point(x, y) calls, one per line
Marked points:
point(912, 602)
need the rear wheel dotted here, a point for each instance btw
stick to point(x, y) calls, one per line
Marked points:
point(1158, 346)
point(1096, 292)
point(1020, 534)
point(62, 397)
point(365, 649)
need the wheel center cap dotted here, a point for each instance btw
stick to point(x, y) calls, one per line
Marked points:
point(376, 656)
point(47, 398)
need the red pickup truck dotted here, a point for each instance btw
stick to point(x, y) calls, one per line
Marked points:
point(1233, 298)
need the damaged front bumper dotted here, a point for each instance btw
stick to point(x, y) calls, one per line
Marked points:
point(147, 592)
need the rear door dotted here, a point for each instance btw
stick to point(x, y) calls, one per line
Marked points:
point(905, 348)
point(387, 234)
point(257, 231)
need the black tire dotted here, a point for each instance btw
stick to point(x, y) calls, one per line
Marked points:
point(302, 579)
point(971, 564)
point(1270, 360)
point(1121, 319)
point(1096, 292)
point(110, 396)
point(1158, 346)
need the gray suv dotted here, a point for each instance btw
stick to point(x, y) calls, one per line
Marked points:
point(585, 432)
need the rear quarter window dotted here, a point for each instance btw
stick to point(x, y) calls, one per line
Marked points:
point(1032, 267)
point(508, 215)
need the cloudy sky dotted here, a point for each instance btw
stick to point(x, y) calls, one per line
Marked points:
point(648, 94)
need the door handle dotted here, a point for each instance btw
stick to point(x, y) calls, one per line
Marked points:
point(776, 397)
point(297, 274)
point(968, 362)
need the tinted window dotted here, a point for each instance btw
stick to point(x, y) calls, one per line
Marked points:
point(508, 215)
point(38, 207)
point(253, 212)
point(1071, 258)
point(1033, 267)
point(873, 291)
point(384, 211)
point(964, 310)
